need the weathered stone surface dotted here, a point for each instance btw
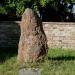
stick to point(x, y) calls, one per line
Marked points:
point(33, 43)
point(30, 71)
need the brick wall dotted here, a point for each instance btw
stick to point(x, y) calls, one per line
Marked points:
point(59, 34)
point(9, 34)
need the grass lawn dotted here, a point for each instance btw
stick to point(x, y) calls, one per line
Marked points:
point(59, 62)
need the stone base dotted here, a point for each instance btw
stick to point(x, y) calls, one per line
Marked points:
point(30, 71)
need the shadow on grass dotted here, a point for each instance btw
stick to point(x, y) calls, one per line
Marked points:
point(66, 58)
point(7, 53)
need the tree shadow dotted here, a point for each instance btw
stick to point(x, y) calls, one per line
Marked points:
point(9, 17)
point(60, 58)
point(9, 39)
point(7, 53)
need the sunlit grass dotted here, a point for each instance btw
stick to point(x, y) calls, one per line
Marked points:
point(59, 62)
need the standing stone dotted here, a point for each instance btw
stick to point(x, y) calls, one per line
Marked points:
point(33, 43)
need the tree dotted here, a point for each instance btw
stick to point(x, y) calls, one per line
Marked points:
point(50, 10)
point(58, 10)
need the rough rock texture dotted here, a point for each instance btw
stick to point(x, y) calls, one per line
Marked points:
point(33, 43)
point(30, 71)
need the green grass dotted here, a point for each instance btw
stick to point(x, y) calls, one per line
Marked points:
point(59, 62)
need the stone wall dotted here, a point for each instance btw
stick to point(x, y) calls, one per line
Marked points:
point(59, 34)
point(9, 34)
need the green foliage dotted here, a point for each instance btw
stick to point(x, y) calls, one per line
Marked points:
point(2, 10)
point(43, 2)
point(15, 8)
point(20, 8)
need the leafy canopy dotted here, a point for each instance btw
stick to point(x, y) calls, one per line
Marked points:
point(15, 8)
